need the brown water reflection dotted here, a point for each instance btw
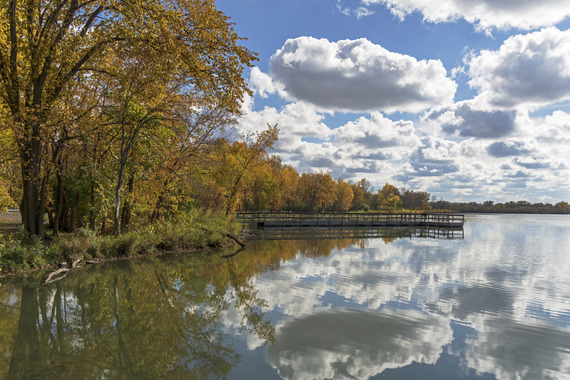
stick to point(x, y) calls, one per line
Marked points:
point(152, 318)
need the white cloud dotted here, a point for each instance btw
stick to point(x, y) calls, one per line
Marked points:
point(295, 121)
point(528, 70)
point(377, 133)
point(359, 148)
point(261, 83)
point(468, 119)
point(357, 75)
point(481, 153)
point(363, 12)
point(484, 14)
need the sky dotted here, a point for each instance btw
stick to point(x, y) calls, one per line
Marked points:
point(467, 100)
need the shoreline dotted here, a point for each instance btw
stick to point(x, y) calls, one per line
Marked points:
point(21, 255)
point(84, 262)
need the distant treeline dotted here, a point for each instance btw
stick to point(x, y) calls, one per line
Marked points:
point(520, 207)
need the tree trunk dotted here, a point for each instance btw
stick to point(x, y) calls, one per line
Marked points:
point(32, 207)
point(64, 216)
point(118, 203)
point(58, 204)
point(126, 214)
point(92, 207)
point(159, 203)
point(34, 182)
point(74, 212)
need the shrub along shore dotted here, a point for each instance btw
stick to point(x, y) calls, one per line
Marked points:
point(193, 231)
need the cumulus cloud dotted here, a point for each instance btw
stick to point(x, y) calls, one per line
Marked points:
point(507, 148)
point(553, 130)
point(360, 147)
point(485, 14)
point(484, 152)
point(357, 75)
point(261, 83)
point(539, 163)
point(435, 157)
point(468, 121)
point(531, 69)
point(377, 132)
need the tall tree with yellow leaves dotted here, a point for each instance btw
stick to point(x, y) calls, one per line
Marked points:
point(46, 47)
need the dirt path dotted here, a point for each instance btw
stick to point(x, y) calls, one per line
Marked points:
point(10, 220)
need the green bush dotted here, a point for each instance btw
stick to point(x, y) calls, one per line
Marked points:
point(188, 231)
point(18, 254)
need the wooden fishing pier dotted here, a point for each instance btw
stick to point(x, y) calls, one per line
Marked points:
point(350, 219)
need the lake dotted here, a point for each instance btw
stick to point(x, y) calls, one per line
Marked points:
point(490, 302)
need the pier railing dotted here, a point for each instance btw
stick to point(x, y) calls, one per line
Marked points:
point(339, 219)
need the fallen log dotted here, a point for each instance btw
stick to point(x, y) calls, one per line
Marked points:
point(227, 235)
point(236, 240)
point(62, 271)
point(76, 262)
point(50, 277)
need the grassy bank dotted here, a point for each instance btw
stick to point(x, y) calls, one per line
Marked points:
point(189, 232)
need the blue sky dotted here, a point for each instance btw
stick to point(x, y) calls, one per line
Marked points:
point(467, 100)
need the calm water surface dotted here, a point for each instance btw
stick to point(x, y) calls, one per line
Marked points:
point(490, 303)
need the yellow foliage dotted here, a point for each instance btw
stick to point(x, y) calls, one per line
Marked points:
point(5, 199)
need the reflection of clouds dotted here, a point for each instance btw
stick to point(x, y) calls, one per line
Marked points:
point(512, 350)
point(478, 299)
point(510, 271)
point(356, 344)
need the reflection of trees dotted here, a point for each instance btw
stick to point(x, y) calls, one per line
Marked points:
point(26, 350)
point(138, 320)
point(250, 304)
point(9, 311)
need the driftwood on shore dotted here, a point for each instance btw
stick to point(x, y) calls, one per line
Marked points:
point(60, 273)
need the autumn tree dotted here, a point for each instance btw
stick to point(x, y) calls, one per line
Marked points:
point(316, 191)
point(415, 199)
point(273, 187)
point(563, 207)
point(185, 158)
point(246, 154)
point(7, 159)
point(362, 197)
point(388, 197)
point(48, 47)
point(344, 196)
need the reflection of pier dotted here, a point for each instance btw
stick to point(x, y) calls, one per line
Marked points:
point(292, 233)
point(350, 219)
